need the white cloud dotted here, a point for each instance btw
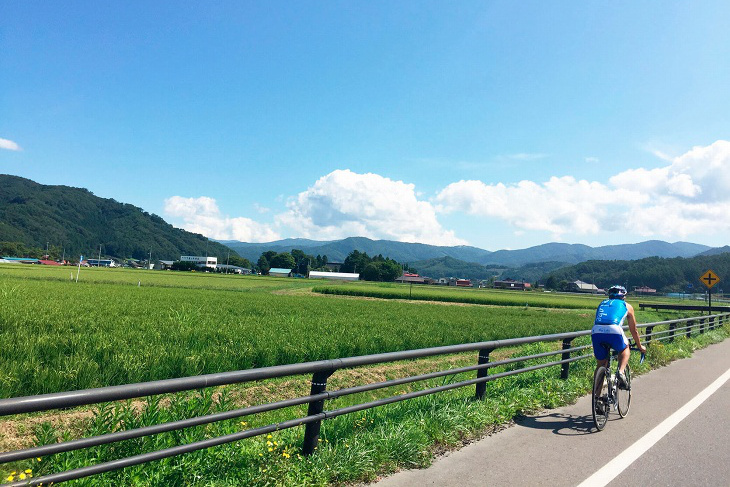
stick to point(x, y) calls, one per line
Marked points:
point(9, 145)
point(688, 197)
point(202, 215)
point(344, 204)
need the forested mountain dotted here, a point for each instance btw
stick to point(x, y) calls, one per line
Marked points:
point(665, 275)
point(338, 250)
point(450, 267)
point(77, 221)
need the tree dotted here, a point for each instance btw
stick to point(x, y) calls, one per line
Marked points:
point(263, 265)
point(383, 270)
point(355, 262)
point(283, 260)
point(239, 261)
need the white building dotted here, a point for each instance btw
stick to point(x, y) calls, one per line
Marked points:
point(340, 276)
point(210, 262)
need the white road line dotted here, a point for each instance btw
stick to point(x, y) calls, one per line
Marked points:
point(613, 468)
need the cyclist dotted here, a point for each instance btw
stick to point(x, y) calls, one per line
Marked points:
point(608, 330)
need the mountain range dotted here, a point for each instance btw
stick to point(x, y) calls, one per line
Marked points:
point(423, 256)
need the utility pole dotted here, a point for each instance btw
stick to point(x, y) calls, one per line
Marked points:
point(98, 261)
point(149, 262)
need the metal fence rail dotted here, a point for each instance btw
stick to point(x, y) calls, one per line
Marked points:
point(321, 371)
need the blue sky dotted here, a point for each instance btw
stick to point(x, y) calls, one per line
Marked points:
point(493, 124)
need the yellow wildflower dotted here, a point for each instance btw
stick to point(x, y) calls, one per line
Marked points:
point(29, 471)
point(269, 436)
point(271, 449)
point(10, 478)
point(21, 476)
point(268, 443)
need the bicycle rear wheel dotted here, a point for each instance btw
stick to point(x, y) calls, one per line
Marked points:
point(623, 396)
point(599, 398)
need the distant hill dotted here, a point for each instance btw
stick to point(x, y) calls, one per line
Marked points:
point(575, 253)
point(78, 221)
point(717, 251)
point(416, 253)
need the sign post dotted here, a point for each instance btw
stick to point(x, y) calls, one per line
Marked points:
point(79, 269)
point(709, 279)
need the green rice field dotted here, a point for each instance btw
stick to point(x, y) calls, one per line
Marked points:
point(117, 326)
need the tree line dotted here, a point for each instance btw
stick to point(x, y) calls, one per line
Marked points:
point(676, 274)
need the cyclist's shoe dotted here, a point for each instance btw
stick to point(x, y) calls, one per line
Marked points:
point(622, 382)
point(600, 407)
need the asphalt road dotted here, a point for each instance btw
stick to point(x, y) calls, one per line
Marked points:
point(670, 437)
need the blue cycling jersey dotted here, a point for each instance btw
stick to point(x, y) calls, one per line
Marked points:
point(610, 316)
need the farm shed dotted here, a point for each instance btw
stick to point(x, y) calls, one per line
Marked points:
point(340, 276)
point(163, 265)
point(20, 260)
point(412, 278)
point(644, 290)
point(278, 272)
point(583, 287)
point(511, 284)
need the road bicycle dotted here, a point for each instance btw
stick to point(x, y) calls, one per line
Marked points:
point(607, 393)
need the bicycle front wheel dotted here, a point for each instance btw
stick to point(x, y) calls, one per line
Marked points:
point(599, 398)
point(623, 396)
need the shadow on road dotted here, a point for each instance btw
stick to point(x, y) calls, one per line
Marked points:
point(561, 424)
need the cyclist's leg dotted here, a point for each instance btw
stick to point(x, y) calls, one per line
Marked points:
point(600, 353)
point(623, 353)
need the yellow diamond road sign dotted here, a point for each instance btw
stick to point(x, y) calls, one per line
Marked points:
point(709, 279)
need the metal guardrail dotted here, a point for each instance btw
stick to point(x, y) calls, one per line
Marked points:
point(685, 307)
point(321, 371)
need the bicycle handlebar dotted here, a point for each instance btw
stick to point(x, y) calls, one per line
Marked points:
point(643, 354)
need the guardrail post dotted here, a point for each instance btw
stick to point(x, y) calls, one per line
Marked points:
point(672, 326)
point(311, 431)
point(702, 325)
point(649, 331)
point(690, 325)
point(712, 323)
point(565, 367)
point(481, 373)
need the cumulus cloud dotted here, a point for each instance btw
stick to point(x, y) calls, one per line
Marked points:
point(344, 204)
point(202, 215)
point(687, 197)
point(9, 145)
